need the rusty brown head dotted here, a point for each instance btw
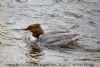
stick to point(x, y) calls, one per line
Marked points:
point(36, 30)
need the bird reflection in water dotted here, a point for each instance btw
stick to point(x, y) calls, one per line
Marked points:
point(35, 55)
point(34, 52)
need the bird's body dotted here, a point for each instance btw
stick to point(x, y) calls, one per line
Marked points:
point(57, 39)
point(53, 39)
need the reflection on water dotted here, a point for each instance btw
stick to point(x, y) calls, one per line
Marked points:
point(34, 51)
point(35, 55)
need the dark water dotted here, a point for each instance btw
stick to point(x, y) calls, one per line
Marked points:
point(77, 16)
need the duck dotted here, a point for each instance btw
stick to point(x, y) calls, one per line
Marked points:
point(60, 39)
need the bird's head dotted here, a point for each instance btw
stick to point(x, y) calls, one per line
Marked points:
point(36, 30)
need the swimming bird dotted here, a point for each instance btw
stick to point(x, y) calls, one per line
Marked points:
point(52, 39)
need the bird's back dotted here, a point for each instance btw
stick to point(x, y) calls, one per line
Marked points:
point(56, 39)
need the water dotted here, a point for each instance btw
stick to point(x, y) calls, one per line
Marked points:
point(77, 16)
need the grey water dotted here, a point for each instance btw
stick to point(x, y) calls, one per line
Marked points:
point(76, 16)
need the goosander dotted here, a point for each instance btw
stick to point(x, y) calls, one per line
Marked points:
point(51, 39)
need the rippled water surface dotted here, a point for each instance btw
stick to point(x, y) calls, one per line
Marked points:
point(76, 16)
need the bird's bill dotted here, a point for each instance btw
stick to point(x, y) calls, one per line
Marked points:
point(24, 29)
